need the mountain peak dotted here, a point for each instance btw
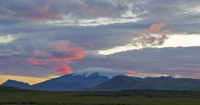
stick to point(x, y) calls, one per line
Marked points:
point(119, 83)
point(99, 71)
point(166, 77)
point(13, 83)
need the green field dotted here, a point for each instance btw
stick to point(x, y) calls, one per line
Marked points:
point(14, 96)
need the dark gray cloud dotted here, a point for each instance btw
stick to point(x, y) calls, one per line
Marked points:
point(51, 9)
point(168, 61)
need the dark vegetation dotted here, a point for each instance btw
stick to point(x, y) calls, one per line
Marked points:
point(16, 96)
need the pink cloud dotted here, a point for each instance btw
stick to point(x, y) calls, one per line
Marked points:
point(62, 69)
point(43, 13)
point(59, 46)
point(65, 52)
point(153, 36)
point(129, 73)
point(14, 72)
point(34, 61)
point(71, 53)
point(76, 52)
point(156, 27)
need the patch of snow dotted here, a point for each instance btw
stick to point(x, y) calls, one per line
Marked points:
point(100, 71)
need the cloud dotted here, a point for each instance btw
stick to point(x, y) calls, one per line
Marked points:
point(44, 13)
point(130, 73)
point(181, 40)
point(70, 54)
point(105, 72)
point(40, 53)
point(10, 54)
point(62, 69)
point(14, 61)
point(151, 37)
point(56, 56)
point(6, 39)
point(43, 32)
point(14, 72)
point(34, 61)
point(59, 46)
point(149, 62)
point(180, 69)
point(53, 10)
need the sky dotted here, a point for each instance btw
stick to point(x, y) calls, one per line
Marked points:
point(41, 39)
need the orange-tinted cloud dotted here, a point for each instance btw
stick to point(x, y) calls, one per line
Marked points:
point(76, 53)
point(130, 73)
point(62, 69)
point(70, 54)
point(153, 36)
point(156, 27)
point(14, 72)
point(56, 56)
point(43, 13)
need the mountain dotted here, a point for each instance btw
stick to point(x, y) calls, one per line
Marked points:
point(13, 83)
point(161, 83)
point(98, 79)
point(136, 78)
point(170, 83)
point(70, 82)
point(119, 83)
point(86, 78)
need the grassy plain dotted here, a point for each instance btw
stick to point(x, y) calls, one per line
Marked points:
point(14, 96)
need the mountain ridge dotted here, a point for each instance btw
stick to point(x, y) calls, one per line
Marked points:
point(120, 83)
point(18, 84)
point(161, 83)
point(97, 82)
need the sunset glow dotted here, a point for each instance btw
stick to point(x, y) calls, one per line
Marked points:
point(142, 38)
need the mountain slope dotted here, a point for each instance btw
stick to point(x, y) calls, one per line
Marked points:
point(95, 81)
point(71, 82)
point(169, 83)
point(120, 83)
point(13, 83)
point(86, 78)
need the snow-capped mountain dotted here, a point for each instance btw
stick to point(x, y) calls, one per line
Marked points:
point(100, 71)
point(86, 78)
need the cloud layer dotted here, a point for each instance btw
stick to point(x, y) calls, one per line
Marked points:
point(148, 37)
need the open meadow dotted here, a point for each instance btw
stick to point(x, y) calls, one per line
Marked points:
point(14, 96)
